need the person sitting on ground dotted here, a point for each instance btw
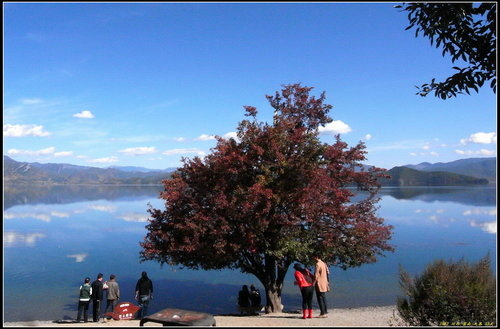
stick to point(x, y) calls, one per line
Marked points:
point(244, 298)
point(255, 298)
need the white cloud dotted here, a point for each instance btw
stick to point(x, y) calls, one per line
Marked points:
point(184, 151)
point(134, 217)
point(205, 137)
point(138, 139)
point(24, 130)
point(490, 212)
point(63, 154)
point(434, 218)
point(426, 147)
point(335, 127)
point(104, 208)
point(139, 150)
point(31, 101)
point(45, 216)
point(84, 115)
point(36, 215)
point(46, 151)
point(480, 138)
point(434, 154)
point(368, 137)
point(231, 134)
point(179, 139)
point(482, 152)
point(105, 160)
point(59, 214)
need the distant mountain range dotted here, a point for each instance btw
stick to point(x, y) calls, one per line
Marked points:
point(404, 176)
point(142, 169)
point(474, 171)
point(15, 172)
point(476, 167)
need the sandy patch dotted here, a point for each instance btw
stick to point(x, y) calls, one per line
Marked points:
point(347, 317)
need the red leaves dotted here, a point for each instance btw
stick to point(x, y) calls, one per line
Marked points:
point(251, 111)
point(279, 185)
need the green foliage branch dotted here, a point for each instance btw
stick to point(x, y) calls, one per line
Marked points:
point(466, 32)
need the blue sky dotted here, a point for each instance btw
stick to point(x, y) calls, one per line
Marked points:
point(143, 84)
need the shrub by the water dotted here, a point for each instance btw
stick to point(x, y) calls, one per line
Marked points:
point(449, 293)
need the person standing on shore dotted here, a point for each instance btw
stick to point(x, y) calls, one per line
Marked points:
point(113, 294)
point(144, 293)
point(321, 283)
point(305, 280)
point(97, 292)
point(84, 300)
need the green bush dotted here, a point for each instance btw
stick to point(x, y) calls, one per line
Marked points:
point(449, 293)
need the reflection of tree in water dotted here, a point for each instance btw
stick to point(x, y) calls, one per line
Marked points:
point(468, 196)
point(57, 194)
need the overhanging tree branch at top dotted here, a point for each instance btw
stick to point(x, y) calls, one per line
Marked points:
point(275, 195)
point(465, 31)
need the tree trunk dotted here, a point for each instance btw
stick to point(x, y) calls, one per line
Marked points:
point(271, 273)
point(273, 300)
point(275, 271)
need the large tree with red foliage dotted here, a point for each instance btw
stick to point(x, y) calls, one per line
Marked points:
point(274, 195)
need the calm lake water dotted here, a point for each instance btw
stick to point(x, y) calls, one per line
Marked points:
point(56, 236)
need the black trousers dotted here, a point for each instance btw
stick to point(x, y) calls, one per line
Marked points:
point(96, 310)
point(307, 297)
point(83, 307)
point(321, 296)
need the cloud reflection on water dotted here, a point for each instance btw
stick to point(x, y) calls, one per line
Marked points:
point(78, 257)
point(489, 227)
point(14, 239)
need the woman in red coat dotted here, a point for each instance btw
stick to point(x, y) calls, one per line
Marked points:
point(305, 279)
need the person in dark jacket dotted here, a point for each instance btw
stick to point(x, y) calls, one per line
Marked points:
point(244, 297)
point(255, 298)
point(144, 293)
point(84, 300)
point(97, 293)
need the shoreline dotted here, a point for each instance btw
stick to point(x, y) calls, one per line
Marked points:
point(372, 316)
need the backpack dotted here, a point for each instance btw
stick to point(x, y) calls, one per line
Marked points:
point(85, 291)
point(308, 277)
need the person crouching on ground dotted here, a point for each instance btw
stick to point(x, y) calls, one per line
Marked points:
point(305, 279)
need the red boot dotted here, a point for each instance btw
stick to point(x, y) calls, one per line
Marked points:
point(310, 314)
point(304, 314)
